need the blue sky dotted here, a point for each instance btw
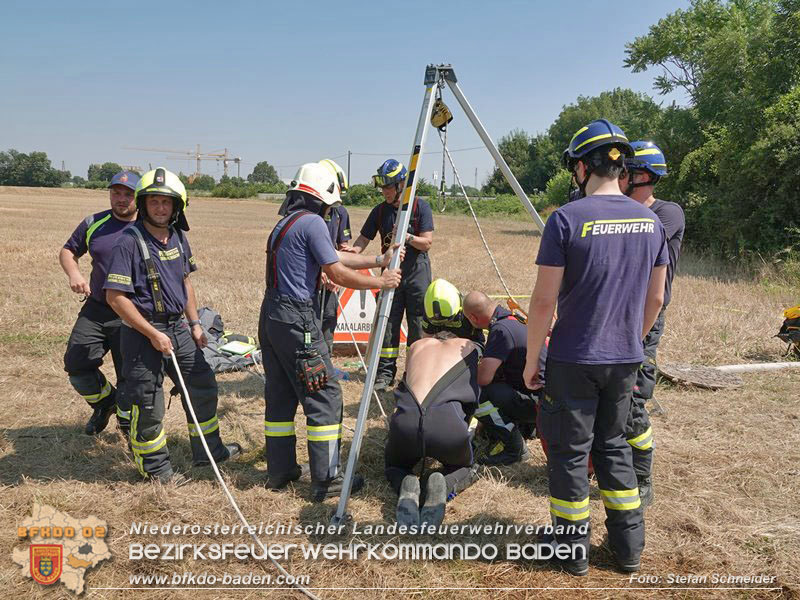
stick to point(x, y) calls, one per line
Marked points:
point(292, 82)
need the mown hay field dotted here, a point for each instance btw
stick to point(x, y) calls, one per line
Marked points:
point(727, 464)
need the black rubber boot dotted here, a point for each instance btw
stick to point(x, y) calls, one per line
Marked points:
point(408, 502)
point(233, 449)
point(432, 511)
point(278, 483)
point(99, 419)
point(512, 451)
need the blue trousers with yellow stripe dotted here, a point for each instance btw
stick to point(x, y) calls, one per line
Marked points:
point(409, 299)
point(282, 326)
point(95, 333)
point(638, 430)
point(583, 412)
point(144, 368)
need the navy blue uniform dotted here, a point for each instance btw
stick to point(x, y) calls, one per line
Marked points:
point(300, 246)
point(338, 222)
point(97, 329)
point(608, 246)
point(638, 430)
point(506, 403)
point(145, 367)
point(416, 270)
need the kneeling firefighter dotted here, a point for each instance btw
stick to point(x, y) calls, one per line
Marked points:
point(444, 311)
point(296, 357)
point(148, 286)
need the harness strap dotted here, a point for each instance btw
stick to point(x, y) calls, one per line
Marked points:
point(272, 249)
point(153, 277)
point(414, 222)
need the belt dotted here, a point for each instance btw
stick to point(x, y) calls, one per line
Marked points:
point(164, 318)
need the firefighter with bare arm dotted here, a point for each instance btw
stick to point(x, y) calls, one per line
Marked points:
point(296, 358)
point(603, 258)
point(149, 287)
point(416, 266)
point(97, 329)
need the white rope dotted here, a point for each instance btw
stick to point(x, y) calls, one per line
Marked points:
point(235, 506)
point(477, 224)
point(360, 357)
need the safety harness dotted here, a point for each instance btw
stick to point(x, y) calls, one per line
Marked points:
point(153, 276)
point(309, 366)
point(414, 222)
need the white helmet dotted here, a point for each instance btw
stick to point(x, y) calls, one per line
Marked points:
point(338, 172)
point(318, 181)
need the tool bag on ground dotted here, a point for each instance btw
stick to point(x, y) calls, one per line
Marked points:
point(226, 351)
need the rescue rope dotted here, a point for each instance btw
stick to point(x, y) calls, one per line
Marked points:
point(442, 197)
point(478, 225)
point(235, 506)
point(360, 357)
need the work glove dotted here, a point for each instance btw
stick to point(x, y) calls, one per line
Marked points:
point(311, 371)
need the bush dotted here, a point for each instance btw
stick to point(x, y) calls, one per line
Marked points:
point(557, 188)
point(362, 194)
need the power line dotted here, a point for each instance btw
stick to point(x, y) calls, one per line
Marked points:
point(400, 153)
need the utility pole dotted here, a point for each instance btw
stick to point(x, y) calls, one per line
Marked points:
point(476, 178)
point(198, 159)
point(348, 166)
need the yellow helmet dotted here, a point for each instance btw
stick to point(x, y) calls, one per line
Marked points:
point(161, 182)
point(338, 172)
point(442, 301)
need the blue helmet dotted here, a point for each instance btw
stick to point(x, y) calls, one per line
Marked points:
point(647, 157)
point(390, 172)
point(594, 135)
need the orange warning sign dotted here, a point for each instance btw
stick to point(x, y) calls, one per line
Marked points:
point(356, 314)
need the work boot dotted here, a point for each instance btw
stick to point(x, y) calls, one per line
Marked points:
point(124, 426)
point(233, 450)
point(99, 419)
point(512, 452)
point(432, 512)
point(330, 488)
point(408, 502)
point(577, 567)
point(383, 382)
point(278, 483)
point(173, 477)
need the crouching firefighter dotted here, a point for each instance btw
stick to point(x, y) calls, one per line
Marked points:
point(435, 401)
point(148, 286)
point(416, 266)
point(296, 357)
point(97, 328)
point(507, 408)
point(444, 312)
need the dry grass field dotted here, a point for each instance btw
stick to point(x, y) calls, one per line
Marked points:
point(727, 464)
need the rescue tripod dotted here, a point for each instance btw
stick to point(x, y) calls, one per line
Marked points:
point(436, 76)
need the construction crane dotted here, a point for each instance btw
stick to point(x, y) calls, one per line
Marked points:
point(198, 156)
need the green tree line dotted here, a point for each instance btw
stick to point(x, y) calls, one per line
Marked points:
point(733, 151)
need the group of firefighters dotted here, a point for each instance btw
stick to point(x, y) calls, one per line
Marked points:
point(607, 259)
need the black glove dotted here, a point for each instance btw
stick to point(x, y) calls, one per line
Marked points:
point(311, 371)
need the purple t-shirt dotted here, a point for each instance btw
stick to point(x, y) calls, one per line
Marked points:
point(304, 249)
point(608, 246)
point(97, 234)
point(338, 222)
point(173, 261)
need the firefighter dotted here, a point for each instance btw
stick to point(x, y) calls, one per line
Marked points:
point(603, 258)
point(296, 358)
point(443, 305)
point(149, 287)
point(416, 267)
point(97, 328)
point(338, 222)
point(507, 406)
point(645, 169)
point(435, 401)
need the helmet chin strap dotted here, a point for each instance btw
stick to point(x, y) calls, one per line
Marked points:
point(632, 185)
